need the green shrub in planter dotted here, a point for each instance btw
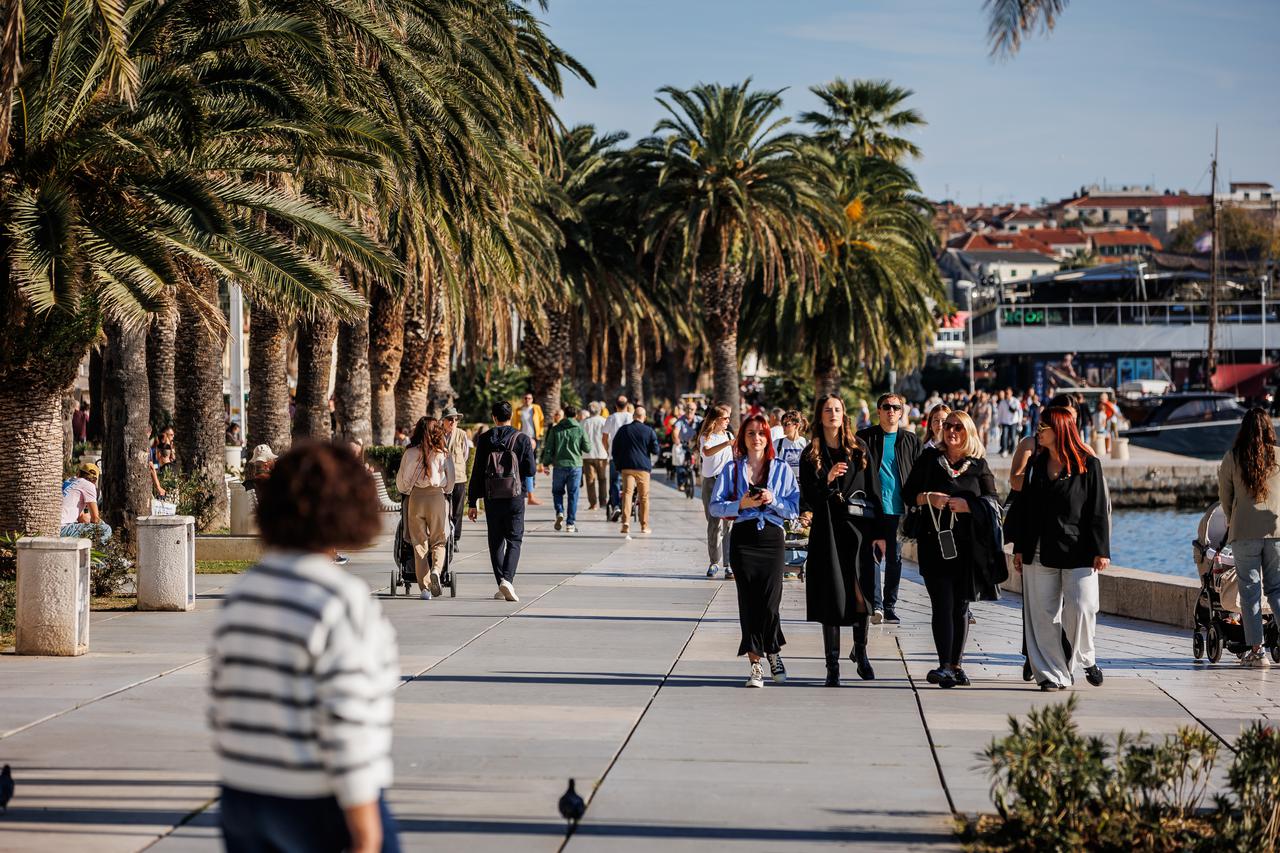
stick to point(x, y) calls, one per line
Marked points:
point(385, 459)
point(1249, 817)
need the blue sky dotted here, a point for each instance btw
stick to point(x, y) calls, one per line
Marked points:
point(1123, 90)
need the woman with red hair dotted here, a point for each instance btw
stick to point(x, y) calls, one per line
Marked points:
point(760, 494)
point(1062, 541)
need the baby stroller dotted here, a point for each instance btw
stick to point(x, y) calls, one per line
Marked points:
point(402, 552)
point(796, 545)
point(1217, 612)
point(682, 458)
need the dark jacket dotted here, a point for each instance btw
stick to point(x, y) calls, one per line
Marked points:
point(633, 447)
point(564, 445)
point(840, 569)
point(906, 450)
point(1063, 523)
point(495, 438)
point(989, 566)
point(972, 568)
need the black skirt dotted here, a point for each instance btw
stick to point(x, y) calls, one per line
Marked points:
point(757, 559)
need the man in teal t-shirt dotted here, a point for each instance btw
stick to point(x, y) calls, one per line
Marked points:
point(893, 451)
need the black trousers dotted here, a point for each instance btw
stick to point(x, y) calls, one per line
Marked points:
point(887, 599)
point(950, 604)
point(757, 559)
point(506, 531)
point(458, 502)
point(831, 635)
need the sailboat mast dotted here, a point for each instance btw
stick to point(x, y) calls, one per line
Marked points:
point(1213, 262)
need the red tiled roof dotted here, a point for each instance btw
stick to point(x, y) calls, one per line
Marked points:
point(999, 241)
point(1058, 236)
point(1126, 201)
point(1126, 238)
point(1025, 216)
point(1250, 185)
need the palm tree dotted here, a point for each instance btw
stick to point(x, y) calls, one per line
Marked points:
point(735, 198)
point(268, 404)
point(865, 116)
point(126, 471)
point(126, 177)
point(879, 285)
point(162, 334)
point(1009, 21)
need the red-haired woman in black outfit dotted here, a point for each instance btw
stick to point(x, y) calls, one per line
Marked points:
point(1061, 542)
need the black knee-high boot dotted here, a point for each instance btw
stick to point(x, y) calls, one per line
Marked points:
point(859, 652)
point(831, 645)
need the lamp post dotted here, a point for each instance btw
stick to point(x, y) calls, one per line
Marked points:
point(967, 287)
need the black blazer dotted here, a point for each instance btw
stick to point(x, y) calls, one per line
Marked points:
point(1066, 521)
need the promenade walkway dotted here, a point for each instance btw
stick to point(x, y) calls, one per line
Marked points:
point(616, 668)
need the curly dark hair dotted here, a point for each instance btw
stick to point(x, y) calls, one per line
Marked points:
point(1255, 452)
point(319, 497)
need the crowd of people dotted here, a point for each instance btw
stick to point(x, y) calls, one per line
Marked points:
point(854, 487)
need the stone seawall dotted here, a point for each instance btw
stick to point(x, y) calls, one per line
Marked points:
point(1126, 592)
point(1185, 482)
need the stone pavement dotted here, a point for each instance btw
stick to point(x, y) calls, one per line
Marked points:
point(616, 668)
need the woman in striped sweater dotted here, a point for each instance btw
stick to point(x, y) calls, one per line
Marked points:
point(303, 669)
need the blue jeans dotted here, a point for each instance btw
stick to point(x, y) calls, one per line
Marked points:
point(528, 485)
point(615, 485)
point(1258, 569)
point(256, 822)
point(889, 566)
point(566, 480)
point(99, 532)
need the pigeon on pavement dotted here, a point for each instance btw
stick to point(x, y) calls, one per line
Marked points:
point(572, 806)
point(6, 788)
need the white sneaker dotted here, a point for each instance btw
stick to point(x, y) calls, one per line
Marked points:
point(559, 521)
point(571, 528)
point(508, 591)
point(426, 595)
point(877, 617)
point(756, 678)
point(433, 582)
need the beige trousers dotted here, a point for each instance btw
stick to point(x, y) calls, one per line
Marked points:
point(596, 474)
point(428, 528)
point(637, 481)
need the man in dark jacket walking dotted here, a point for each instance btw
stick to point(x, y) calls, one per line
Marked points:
point(563, 449)
point(504, 515)
point(894, 452)
point(633, 449)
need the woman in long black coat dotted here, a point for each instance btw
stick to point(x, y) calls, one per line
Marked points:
point(842, 489)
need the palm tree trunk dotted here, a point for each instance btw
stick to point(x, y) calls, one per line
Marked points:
point(826, 370)
point(126, 472)
point(415, 373)
point(386, 347)
point(200, 422)
point(440, 391)
point(721, 301)
point(634, 369)
point(93, 431)
point(161, 334)
point(268, 379)
point(547, 358)
point(68, 437)
point(351, 389)
point(315, 363)
point(30, 457)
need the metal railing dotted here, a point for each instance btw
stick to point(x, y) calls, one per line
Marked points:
point(1088, 314)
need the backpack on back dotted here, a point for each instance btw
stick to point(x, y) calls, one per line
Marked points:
point(502, 480)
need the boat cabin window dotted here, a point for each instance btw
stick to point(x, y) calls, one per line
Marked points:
point(1192, 410)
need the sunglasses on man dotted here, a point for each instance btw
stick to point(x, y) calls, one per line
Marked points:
point(890, 407)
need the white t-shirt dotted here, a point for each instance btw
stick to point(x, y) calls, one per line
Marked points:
point(776, 432)
point(714, 464)
point(594, 428)
point(615, 422)
point(789, 451)
point(77, 496)
point(527, 426)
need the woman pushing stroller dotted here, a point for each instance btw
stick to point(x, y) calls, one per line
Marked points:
point(426, 476)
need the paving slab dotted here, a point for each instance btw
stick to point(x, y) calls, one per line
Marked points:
point(617, 669)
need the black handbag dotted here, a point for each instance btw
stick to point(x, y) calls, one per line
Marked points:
point(912, 526)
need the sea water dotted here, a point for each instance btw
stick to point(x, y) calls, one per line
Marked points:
point(1155, 540)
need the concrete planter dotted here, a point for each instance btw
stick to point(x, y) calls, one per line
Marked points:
point(53, 596)
point(243, 522)
point(166, 562)
point(233, 458)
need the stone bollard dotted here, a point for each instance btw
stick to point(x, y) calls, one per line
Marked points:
point(166, 562)
point(232, 457)
point(1099, 442)
point(1120, 449)
point(242, 521)
point(53, 596)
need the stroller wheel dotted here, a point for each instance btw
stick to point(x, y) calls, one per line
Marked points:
point(1197, 645)
point(1275, 653)
point(1214, 644)
point(453, 584)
